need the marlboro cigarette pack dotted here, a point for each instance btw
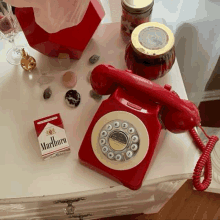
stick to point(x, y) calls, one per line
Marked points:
point(51, 136)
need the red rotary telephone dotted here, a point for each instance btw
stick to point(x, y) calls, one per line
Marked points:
point(124, 132)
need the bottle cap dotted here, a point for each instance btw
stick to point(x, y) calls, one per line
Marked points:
point(137, 6)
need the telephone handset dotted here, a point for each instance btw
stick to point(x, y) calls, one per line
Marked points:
point(125, 130)
point(180, 115)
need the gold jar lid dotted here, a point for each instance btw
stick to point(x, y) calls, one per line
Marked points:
point(137, 6)
point(152, 39)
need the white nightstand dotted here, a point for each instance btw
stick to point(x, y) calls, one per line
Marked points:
point(35, 189)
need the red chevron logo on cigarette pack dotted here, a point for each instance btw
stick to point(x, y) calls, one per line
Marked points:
point(51, 136)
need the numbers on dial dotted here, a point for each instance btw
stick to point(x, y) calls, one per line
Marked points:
point(129, 154)
point(104, 133)
point(109, 127)
point(131, 130)
point(118, 157)
point(135, 138)
point(124, 125)
point(105, 149)
point(116, 124)
point(110, 155)
point(134, 147)
point(102, 141)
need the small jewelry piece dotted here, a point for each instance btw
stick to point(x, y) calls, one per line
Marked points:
point(47, 93)
point(28, 63)
point(72, 98)
point(69, 79)
point(95, 95)
point(93, 59)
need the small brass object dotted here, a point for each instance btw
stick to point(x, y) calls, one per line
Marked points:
point(28, 63)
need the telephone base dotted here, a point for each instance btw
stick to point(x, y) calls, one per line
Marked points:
point(121, 139)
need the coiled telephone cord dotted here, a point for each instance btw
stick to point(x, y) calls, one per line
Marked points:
point(204, 160)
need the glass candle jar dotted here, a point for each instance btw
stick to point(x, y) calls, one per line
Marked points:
point(151, 52)
point(134, 13)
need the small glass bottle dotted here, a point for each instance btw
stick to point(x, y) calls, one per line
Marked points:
point(134, 13)
point(151, 52)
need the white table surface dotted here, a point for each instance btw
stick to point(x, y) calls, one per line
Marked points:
point(23, 172)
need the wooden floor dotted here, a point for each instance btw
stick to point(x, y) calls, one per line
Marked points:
point(186, 204)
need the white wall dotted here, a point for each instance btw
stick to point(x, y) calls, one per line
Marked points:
point(196, 24)
point(106, 7)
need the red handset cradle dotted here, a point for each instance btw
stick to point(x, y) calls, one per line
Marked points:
point(178, 115)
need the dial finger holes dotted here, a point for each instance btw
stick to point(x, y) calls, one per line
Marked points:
point(116, 124)
point(119, 140)
point(102, 141)
point(135, 138)
point(109, 127)
point(110, 155)
point(118, 157)
point(131, 130)
point(129, 154)
point(104, 133)
point(134, 147)
point(124, 125)
point(105, 149)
